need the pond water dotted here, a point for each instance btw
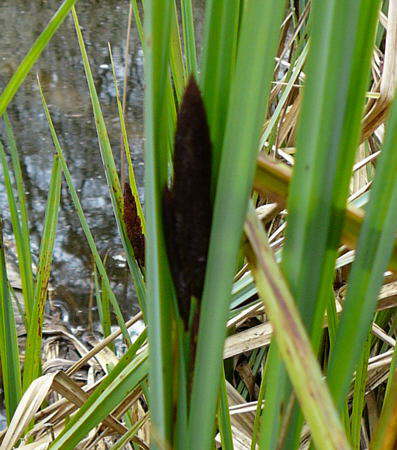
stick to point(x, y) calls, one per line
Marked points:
point(62, 76)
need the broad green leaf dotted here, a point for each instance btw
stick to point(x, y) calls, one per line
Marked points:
point(158, 17)
point(374, 249)
point(257, 46)
point(217, 71)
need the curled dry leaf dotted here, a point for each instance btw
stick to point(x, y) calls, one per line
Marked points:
point(27, 407)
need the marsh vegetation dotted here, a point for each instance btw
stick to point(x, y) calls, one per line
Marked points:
point(263, 259)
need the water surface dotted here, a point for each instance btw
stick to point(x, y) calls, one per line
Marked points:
point(62, 75)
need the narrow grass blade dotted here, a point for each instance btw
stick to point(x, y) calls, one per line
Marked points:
point(225, 427)
point(34, 54)
point(23, 252)
point(286, 93)
point(16, 165)
point(115, 191)
point(359, 395)
point(366, 277)
point(84, 225)
point(218, 64)
point(126, 438)
point(104, 310)
point(257, 46)
point(293, 343)
point(131, 172)
point(25, 260)
point(386, 433)
point(181, 420)
point(177, 66)
point(189, 39)
point(276, 380)
point(34, 335)
point(138, 21)
point(9, 351)
point(158, 18)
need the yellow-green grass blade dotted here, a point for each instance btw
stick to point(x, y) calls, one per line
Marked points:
point(120, 444)
point(284, 97)
point(189, 39)
point(385, 435)
point(257, 47)
point(158, 19)
point(293, 342)
point(359, 395)
point(127, 149)
point(177, 66)
point(275, 380)
point(258, 412)
point(34, 332)
point(20, 239)
point(217, 69)
point(33, 54)
point(102, 301)
point(25, 261)
point(83, 222)
point(373, 253)
point(115, 191)
point(393, 367)
point(181, 420)
point(9, 351)
point(138, 21)
point(104, 311)
point(123, 379)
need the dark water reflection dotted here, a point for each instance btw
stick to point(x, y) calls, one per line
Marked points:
point(62, 75)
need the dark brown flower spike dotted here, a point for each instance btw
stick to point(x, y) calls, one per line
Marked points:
point(187, 203)
point(134, 226)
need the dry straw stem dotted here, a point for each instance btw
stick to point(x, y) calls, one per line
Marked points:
point(293, 342)
point(273, 178)
point(101, 345)
point(378, 113)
